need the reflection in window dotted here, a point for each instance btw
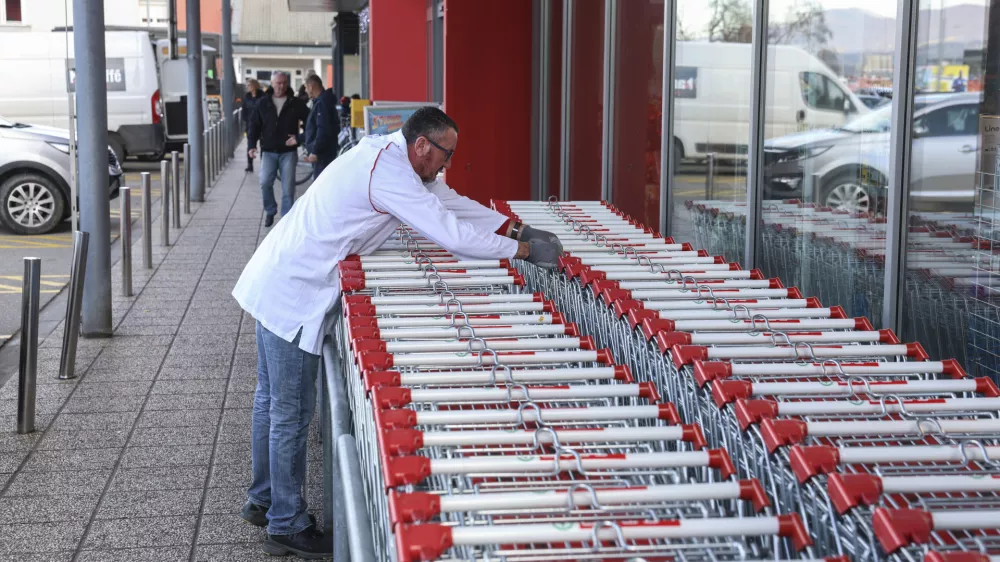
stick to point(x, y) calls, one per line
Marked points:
point(711, 125)
point(950, 299)
point(826, 155)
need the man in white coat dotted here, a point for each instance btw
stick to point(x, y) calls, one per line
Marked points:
point(291, 286)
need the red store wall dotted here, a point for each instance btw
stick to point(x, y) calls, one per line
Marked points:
point(397, 40)
point(487, 90)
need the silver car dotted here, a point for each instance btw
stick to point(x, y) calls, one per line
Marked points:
point(35, 178)
point(847, 167)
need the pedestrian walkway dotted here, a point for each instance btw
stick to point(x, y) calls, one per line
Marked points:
point(146, 455)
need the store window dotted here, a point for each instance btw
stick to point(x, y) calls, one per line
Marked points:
point(586, 99)
point(711, 125)
point(11, 11)
point(638, 115)
point(949, 302)
point(825, 192)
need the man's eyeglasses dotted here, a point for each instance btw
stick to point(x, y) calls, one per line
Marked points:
point(447, 152)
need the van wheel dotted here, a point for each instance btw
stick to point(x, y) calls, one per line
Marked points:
point(847, 192)
point(678, 157)
point(30, 204)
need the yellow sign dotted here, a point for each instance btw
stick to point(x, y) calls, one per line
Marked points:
point(943, 78)
point(358, 112)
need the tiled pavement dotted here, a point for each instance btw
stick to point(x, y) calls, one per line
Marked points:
point(146, 455)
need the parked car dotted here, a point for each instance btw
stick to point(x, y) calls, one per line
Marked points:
point(35, 178)
point(848, 167)
point(874, 101)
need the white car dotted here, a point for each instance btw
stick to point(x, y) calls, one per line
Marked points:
point(35, 178)
point(848, 166)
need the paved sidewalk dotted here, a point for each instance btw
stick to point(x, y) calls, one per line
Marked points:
point(146, 455)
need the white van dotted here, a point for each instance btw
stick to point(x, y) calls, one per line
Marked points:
point(174, 81)
point(712, 95)
point(39, 65)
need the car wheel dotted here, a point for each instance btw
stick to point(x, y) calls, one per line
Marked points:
point(847, 192)
point(678, 157)
point(30, 204)
point(118, 149)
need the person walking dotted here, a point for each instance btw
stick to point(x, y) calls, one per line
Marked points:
point(323, 125)
point(276, 124)
point(291, 287)
point(250, 101)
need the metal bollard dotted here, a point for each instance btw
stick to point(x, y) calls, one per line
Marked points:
point(175, 184)
point(211, 151)
point(125, 227)
point(164, 203)
point(27, 367)
point(147, 221)
point(215, 151)
point(210, 161)
point(710, 177)
point(71, 327)
point(187, 179)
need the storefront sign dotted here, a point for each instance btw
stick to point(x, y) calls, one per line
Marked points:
point(384, 120)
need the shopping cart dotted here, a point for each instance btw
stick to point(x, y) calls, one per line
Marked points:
point(786, 386)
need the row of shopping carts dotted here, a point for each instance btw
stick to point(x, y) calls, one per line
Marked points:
point(491, 428)
point(951, 270)
point(884, 453)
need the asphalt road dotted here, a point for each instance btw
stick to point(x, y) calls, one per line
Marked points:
point(55, 250)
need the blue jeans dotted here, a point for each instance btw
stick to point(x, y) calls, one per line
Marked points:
point(283, 406)
point(269, 164)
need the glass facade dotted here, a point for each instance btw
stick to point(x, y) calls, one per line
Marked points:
point(780, 116)
point(947, 283)
point(826, 155)
point(711, 129)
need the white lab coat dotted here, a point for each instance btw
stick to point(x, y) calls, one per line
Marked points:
point(292, 281)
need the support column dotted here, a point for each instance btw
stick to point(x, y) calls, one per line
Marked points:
point(92, 135)
point(338, 57)
point(195, 106)
point(228, 75)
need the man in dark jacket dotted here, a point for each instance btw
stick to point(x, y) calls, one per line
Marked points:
point(250, 99)
point(323, 125)
point(275, 124)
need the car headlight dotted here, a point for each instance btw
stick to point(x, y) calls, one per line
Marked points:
point(60, 146)
point(797, 154)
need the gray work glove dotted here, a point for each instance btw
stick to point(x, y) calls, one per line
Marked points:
point(544, 247)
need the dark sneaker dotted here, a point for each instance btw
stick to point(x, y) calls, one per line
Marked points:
point(254, 514)
point(310, 543)
point(268, 221)
point(257, 515)
point(249, 168)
